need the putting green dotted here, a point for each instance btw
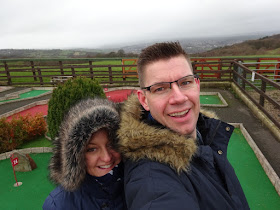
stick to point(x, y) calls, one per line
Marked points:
point(210, 99)
point(259, 191)
point(35, 184)
point(29, 94)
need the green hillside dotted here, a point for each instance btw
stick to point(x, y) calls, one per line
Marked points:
point(269, 45)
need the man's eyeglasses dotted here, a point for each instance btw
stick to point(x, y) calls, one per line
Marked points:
point(164, 87)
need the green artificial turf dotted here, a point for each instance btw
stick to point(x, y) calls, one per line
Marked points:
point(210, 99)
point(29, 94)
point(35, 184)
point(38, 142)
point(259, 191)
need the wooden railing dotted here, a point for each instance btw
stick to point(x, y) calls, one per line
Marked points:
point(246, 78)
point(110, 73)
point(48, 73)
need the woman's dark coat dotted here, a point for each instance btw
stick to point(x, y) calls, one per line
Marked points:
point(90, 195)
point(166, 170)
point(77, 189)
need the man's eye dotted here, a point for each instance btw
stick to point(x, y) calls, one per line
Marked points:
point(159, 89)
point(185, 83)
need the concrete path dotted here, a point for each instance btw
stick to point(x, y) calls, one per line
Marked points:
point(238, 112)
point(4, 108)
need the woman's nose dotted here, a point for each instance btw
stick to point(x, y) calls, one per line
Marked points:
point(106, 155)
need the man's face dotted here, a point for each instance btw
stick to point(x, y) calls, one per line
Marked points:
point(179, 108)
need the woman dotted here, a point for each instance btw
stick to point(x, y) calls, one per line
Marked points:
point(85, 163)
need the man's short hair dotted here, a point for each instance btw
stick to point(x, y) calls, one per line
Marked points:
point(156, 52)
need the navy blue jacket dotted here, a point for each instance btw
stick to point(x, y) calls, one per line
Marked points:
point(165, 170)
point(91, 195)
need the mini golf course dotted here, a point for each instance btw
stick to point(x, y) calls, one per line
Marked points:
point(31, 194)
point(116, 96)
point(258, 189)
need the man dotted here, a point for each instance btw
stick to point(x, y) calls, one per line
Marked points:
point(175, 156)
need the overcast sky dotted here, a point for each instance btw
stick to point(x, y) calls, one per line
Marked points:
point(53, 24)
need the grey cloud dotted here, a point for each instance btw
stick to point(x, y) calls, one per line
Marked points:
point(87, 23)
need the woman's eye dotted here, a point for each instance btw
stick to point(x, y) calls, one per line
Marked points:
point(91, 149)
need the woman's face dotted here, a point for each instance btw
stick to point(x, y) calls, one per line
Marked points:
point(100, 157)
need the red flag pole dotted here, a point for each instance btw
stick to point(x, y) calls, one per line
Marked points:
point(13, 164)
point(15, 175)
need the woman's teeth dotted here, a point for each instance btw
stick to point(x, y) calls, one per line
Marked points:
point(104, 167)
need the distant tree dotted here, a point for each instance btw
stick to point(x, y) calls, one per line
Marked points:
point(121, 53)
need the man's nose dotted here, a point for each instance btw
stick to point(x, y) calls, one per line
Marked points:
point(176, 94)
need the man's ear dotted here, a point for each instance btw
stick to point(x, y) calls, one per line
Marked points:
point(197, 81)
point(142, 99)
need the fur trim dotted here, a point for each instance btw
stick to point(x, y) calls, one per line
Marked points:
point(139, 140)
point(209, 114)
point(67, 166)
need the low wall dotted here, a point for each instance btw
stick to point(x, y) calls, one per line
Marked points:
point(257, 112)
point(7, 155)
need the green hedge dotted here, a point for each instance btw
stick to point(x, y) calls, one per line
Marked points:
point(66, 95)
point(19, 130)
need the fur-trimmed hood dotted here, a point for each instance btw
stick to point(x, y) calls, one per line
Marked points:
point(67, 165)
point(138, 140)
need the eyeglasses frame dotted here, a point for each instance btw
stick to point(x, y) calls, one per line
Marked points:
point(149, 87)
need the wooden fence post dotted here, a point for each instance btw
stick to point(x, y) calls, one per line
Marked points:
point(231, 67)
point(110, 74)
point(240, 72)
point(40, 76)
point(33, 70)
point(243, 82)
point(234, 76)
point(90, 69)
point(8, 73)
point(61, 68)
point(73, 72)
point(263, 88)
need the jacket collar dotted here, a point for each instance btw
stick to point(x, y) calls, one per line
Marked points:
point(139, 140)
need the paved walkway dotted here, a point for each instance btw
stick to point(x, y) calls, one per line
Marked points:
point(4, 108)
point(236, 112)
